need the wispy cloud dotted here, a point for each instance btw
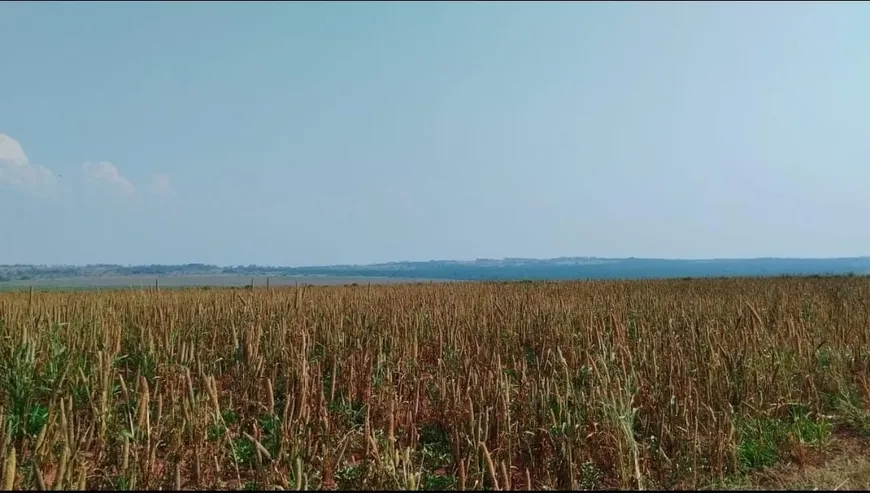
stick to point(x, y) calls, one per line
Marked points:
point(17, 171)
point(161, 184)
point(106, 175)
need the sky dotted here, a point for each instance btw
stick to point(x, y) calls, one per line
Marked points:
point(342, 133)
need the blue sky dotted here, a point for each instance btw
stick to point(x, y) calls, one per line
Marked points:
point(320, 133)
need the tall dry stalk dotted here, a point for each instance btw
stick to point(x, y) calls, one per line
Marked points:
point(646, 384)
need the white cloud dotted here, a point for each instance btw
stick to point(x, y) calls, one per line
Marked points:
point(17, 171)
point(106, 174)
point(161, 184)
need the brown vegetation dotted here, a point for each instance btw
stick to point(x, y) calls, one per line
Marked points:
point(647, 384)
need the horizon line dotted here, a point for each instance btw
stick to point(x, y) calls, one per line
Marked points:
point(479, 259)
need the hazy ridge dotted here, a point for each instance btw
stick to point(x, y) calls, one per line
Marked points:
point(481, 269)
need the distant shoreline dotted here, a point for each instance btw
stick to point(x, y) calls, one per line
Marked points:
point(559, 269)
point(200, 281)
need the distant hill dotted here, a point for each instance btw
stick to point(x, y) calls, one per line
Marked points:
point(481, 269)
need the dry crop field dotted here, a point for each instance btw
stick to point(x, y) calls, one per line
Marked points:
point(593, 385)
